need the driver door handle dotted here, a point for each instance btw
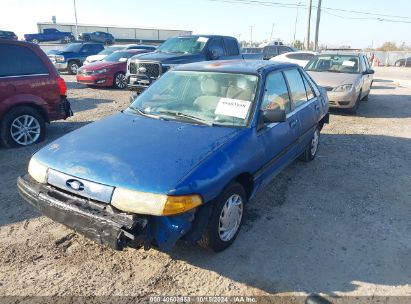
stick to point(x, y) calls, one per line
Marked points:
point(293, 123)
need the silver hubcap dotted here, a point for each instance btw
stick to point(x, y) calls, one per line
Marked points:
point(121, 81)
point(74, 68)
point(230, 217)
point(25, 130)
point(314, 142)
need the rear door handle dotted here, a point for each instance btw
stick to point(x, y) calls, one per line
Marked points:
point(317, 107)
point(293, 123)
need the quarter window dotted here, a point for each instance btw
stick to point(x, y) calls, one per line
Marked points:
point(308, 90)
point(276, 93)
point(18, 60)
point(297, 87)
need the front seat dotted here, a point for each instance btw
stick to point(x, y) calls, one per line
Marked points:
point(209, 100)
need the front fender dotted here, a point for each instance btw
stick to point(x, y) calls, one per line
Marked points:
point(242, 154)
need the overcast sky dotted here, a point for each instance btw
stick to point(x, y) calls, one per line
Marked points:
point(212, 17)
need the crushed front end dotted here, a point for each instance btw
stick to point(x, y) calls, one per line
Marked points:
point(101, 222)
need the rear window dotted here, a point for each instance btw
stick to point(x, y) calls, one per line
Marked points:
point(18, 60)
point(301, 56)
point(231, 46)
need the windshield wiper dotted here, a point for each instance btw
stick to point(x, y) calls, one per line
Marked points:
point(187, 116)
point(143, 113)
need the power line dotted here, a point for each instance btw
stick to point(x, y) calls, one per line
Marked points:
point(294, 5)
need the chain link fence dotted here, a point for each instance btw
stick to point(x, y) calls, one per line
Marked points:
point(389, 58)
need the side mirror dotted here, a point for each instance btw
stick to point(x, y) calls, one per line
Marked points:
point(214, 54)
point(369, 71)
point(271, 116)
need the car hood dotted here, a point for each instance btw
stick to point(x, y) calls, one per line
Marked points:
point(168, 58)
point(64, 53)
point(98, 65)
point(135, 152)
point(330, 79)
point(95, 58)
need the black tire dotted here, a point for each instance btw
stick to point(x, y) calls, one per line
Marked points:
point(310, 153)
point(120, 81)
point(211, 238)
point(354, 109)
point(73, 67)
point(6, 138)
point(66, 39)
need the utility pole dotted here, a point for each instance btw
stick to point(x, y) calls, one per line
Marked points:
point(75, 15)
point(296, 18)
point(251, 35)
point(307, 41)
point(317, 28)
point(272, 31)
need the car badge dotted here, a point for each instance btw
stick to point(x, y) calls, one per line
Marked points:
point(142, 69)
point(75, 185)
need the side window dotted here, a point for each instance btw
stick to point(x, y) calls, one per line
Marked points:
point(217, 45)
point(97, 48)
point(276, 93)
point(363, 67)
point(283, 49)
point(297, 88)
point(308, 90)
point(231, 47)
point(18, 60)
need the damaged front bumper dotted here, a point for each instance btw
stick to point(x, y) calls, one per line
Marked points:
point(102, 223)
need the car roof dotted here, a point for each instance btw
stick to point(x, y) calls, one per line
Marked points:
point(337, 53)
point(236, 66)
point(205, 36)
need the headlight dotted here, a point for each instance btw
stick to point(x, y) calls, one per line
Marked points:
point(169, 67)
point(343, 88)
point(153, 204)
point(100, 71)
point(59, 58)
point(38, 171)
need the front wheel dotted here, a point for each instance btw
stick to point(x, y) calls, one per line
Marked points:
point(72, 67)
point(226, 218)
point(22, 126)
point(120, 81)
point(311, 151)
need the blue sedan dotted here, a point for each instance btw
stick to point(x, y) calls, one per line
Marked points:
point(184, 159)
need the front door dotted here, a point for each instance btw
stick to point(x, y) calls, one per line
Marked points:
point(278, 139)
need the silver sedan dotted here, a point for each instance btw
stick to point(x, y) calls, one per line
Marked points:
point(347, 78)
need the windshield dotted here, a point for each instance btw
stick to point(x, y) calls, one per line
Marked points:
point(110, 50)
point(208, 98)
point(183, 45)
point(118, 56)
point(334, 63)
point(73, 47)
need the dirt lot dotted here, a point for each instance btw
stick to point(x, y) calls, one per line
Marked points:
point(339, 225)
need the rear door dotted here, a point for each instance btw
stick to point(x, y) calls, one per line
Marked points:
point(25, 78)
point(306, 105)
point(280, 140)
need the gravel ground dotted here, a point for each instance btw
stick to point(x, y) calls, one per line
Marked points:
point(339, 225)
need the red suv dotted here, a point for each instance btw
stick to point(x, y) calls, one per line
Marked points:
point(31, 93)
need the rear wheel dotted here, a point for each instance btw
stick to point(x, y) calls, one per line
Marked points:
point(73, 67)
point(66, 39)
point(226, 218)
point(120, 81)
point(22, 126)
point(312, 148)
